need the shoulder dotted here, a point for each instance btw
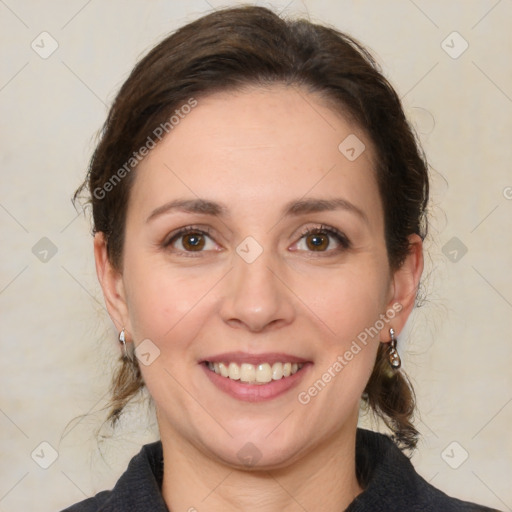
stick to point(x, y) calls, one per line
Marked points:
point(138, 488)
point(391, 483)
point(93, 504)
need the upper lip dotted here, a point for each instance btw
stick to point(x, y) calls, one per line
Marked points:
point(245, 357)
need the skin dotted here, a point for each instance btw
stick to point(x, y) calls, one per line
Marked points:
point(255, 151)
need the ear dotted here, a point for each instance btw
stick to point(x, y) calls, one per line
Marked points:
point(404, 287)
point(111, 281)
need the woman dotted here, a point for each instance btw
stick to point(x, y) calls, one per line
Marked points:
point(259, 209)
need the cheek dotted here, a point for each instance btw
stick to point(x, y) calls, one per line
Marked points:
point(347, 308)
point(163, 299)
point(346, 301)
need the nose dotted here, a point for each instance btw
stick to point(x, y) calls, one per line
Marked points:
point(256, 297)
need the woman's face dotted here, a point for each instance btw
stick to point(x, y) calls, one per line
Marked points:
point(282, 268)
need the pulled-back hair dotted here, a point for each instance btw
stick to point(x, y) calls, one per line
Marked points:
point(252, 46)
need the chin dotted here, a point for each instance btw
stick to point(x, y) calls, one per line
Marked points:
point(256, 456)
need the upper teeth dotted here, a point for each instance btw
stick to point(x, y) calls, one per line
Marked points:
point(255, 373)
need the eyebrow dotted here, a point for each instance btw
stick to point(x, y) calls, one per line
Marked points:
point(291, 209)
point(190, 206)
point(313, 205)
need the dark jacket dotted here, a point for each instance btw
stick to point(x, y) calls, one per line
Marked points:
point(391, 484)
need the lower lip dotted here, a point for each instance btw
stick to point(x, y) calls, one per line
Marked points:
point(256, 392)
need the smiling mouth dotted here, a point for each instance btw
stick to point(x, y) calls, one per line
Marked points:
point(248, 373)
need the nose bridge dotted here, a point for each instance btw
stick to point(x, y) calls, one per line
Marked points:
point(254, 277)
point(255, 297)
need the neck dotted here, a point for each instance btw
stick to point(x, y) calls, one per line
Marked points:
point(324, 479)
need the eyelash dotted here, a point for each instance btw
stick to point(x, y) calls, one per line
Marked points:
point(322, 230)
point(185, 231)
point(328, 230)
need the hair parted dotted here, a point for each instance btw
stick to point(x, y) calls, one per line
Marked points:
point(233, 48)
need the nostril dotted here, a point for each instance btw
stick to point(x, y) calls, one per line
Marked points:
point(254, 326)
point(235, 323)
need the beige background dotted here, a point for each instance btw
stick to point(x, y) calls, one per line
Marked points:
point(57, 344)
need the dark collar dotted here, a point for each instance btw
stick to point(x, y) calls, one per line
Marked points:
point(388, 477)
point(391, 483)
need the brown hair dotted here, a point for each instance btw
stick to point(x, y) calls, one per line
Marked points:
point(236, 47)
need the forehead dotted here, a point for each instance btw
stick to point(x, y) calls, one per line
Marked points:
point(261, 146)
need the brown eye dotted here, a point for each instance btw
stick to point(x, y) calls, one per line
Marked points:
point(324, 239)
point(317, 241)
point(193, 241)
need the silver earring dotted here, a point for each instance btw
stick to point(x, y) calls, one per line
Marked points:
point(393, 357)
point(122, 340)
